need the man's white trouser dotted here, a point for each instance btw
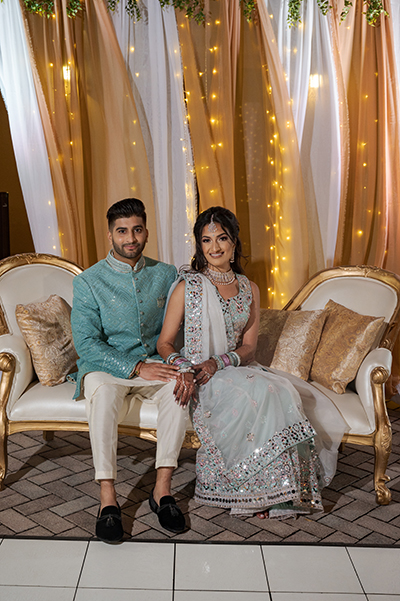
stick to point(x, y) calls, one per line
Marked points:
point(109, 399)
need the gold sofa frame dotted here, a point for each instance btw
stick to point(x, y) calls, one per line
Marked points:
point(8, 365)
point(381, 438)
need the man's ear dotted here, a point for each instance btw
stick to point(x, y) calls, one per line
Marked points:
point(109, 237)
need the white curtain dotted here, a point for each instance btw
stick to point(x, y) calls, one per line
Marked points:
point(394, 12)
point(18, 91)
point(309, 70)
point(152, 55)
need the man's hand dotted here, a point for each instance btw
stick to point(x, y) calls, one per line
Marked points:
point(184, 388)
point(205, 371)
point(158, 371)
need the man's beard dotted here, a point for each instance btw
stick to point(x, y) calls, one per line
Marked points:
point(128, 254)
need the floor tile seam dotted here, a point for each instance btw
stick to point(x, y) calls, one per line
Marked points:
point(225, 590)
point(174, 573)
point(119, 588)
point(58, 586)
point(88, 539)
point(266, 572)
point(355, 570)
point(80, 571)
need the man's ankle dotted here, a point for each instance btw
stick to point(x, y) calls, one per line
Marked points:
point(108, 495)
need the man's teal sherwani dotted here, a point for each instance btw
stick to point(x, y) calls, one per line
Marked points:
point(117, 315)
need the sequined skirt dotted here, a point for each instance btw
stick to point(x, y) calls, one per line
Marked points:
point(257, 445)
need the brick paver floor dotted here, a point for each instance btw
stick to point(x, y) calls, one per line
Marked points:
point(49, 492)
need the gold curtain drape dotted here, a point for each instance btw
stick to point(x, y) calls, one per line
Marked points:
point(369, 225)
point(244, 142)
point(95, 145)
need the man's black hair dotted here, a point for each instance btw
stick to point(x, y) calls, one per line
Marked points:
point(126, 208)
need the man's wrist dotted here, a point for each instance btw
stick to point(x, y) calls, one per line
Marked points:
point(136, 370)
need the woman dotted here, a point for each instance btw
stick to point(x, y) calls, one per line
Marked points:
point(258, 452)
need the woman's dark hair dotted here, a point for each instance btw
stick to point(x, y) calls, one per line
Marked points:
point(229, 224)
point(126, 208)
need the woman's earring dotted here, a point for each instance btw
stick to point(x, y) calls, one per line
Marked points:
point(231, 260)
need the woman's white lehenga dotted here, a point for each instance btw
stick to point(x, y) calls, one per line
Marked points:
point(268, 440)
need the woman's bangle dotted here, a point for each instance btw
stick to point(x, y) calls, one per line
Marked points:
point(219, 361)
point(171, 358)
point(186, 370)
point(226, 360)
point(234, 358)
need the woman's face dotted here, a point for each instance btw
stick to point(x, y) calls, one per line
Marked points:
point(217, 247)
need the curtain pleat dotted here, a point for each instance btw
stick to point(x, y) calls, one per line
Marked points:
point(18, 90)
point(208, 54)
point(307, 54)
point(369, 225)
point(151, 52)
point(96, 150)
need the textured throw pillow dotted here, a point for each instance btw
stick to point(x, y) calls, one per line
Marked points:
point(346, 339)
point(298, 341)
point(272, 322)
point(287, 339)
point(46, 328)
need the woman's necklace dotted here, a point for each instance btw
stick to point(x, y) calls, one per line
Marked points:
point(220, 278)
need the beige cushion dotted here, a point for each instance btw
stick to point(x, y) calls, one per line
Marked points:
point(346, 339)
point(294, 352)
point(287, 339)
point(46, 328)
point(272, 322)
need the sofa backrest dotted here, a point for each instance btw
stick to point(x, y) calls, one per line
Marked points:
point(31, 278)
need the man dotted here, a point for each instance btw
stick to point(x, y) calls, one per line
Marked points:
point(116, 319)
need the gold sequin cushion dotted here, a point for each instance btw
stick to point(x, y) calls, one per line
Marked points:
point(298, 342)
point(46, 328)
point(287, 339)
point(346, 339)
point(272, 322)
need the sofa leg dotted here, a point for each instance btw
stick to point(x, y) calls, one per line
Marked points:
point(3, 459)
point(48, 435)
point(383, 436)
point(383, 447)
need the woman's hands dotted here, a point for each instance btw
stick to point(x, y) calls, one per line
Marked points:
point(184, 388)
point(205, 371)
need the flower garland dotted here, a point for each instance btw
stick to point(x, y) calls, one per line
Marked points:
point(195, 8)
point(373, 10)
point(46, 7)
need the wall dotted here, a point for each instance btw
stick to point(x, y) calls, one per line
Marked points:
point(20, 234)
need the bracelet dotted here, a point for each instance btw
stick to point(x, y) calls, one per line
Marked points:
point(184, 365)
point(234, 358)
point(136, 370)
point(171, 358)
point(227, 359)
point(219, 361)
point(186, 370)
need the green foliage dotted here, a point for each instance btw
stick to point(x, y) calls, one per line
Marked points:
point(194, 9)
point(46, 7)
point(373, 10)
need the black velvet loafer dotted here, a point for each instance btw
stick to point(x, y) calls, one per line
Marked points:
point(109, 524)
point(169, 515)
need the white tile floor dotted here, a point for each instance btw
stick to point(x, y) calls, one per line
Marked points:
point(44, 570)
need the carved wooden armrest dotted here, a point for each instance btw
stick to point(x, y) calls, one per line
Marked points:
point(7, 366)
